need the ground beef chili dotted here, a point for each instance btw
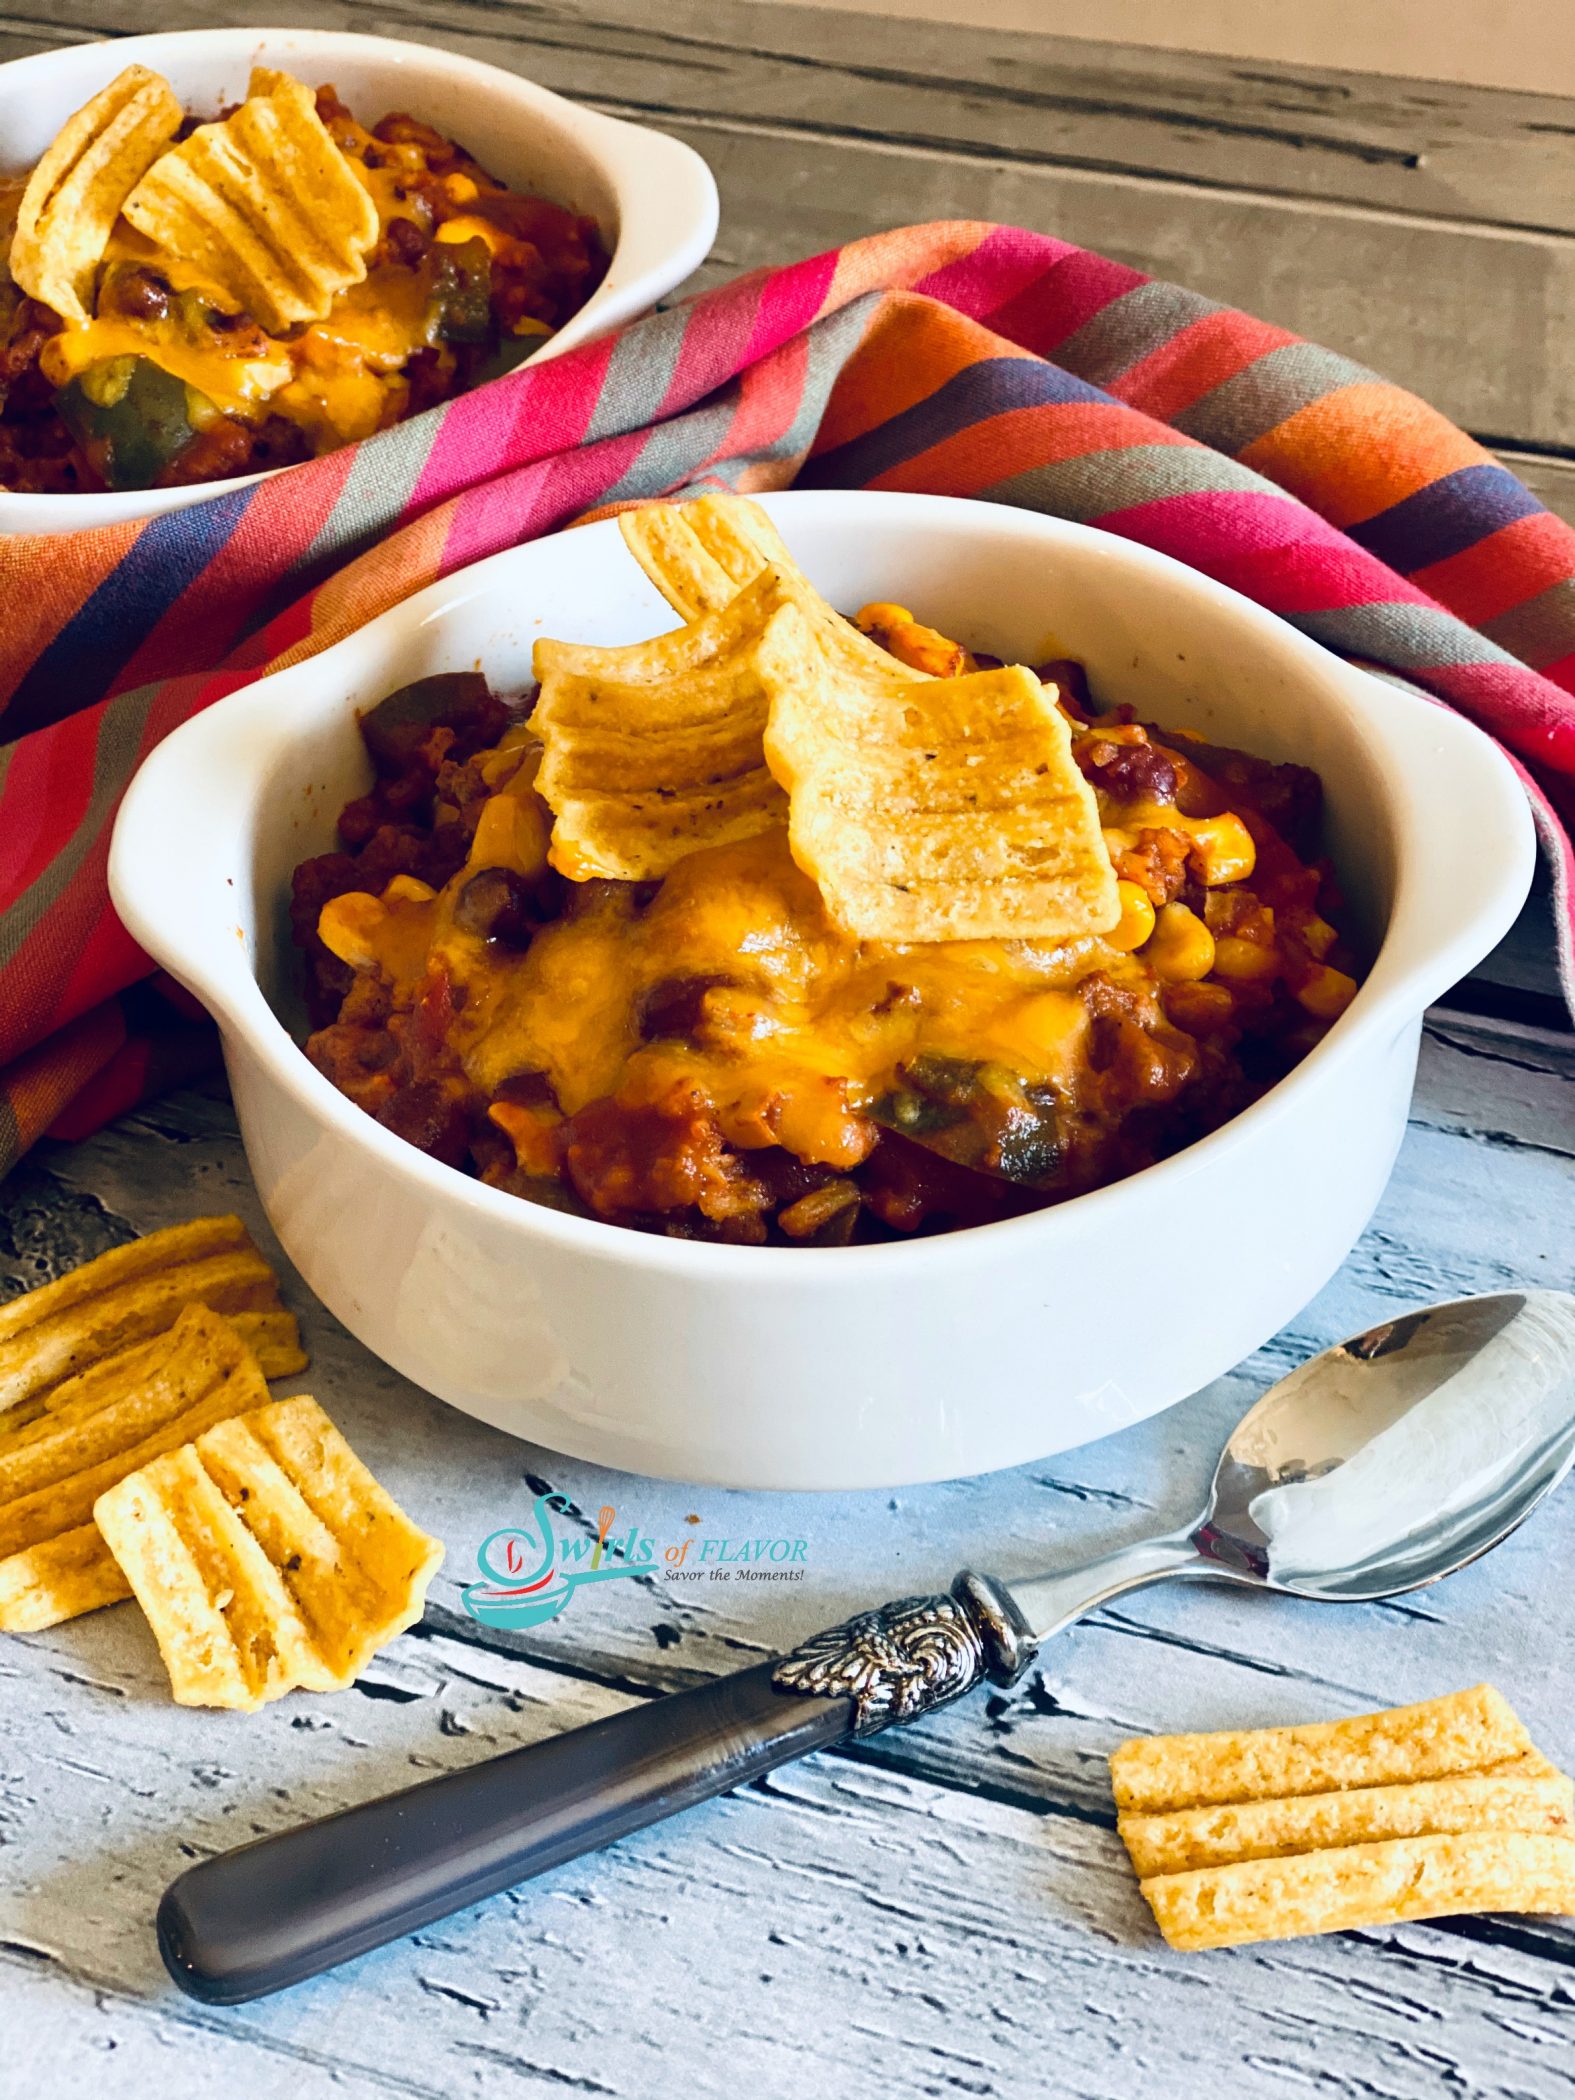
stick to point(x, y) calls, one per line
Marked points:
point(708, 1057)
point(463, 268)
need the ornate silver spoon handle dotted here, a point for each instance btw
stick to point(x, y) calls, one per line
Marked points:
point(287, 1907)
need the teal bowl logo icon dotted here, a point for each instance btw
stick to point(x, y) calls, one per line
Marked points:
point(530, 1574)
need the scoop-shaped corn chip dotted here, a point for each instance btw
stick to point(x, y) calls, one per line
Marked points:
point(265, 204)
point(938, 809)
point(266, 1556)
point(654, 750)
point(113, 1419)
point(80, 186)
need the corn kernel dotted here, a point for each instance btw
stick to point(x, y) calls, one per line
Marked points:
point(1244, 962)
point(468, 227)
point(1327, 993)
point(1224, 850)
point(407, 889)
point(1136, 922)
point(1181, 948)
point(510, 833)
point(1317, 937)
point(1041, 1033)
point(348, 925)
point(1201, 1009)
point(880, 614)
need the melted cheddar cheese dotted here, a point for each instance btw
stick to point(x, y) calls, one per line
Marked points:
point(655, 1052)
point(793, 1030)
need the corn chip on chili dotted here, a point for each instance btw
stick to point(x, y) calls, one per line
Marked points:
point(708, 1057)
point(170, 380)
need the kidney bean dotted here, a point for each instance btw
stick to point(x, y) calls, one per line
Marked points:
point(141, 294)
point(1129, 772)
point(1069, 675)
point(676, 1007)
point(405, 241)
point(499, 905)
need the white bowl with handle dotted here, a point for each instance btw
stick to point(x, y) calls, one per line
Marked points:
point(853, 1367)
point(653, 197)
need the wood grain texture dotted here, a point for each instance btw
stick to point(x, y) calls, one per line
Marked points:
point(1426, 230)
point(946, 1907)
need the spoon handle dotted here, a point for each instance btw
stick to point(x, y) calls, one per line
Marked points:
point(271, 1914)
point(1050, 1603)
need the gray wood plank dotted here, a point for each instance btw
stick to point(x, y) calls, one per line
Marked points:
point(945, 1909)
point(1423, 230)
point(837, 1929)
point(1424, 148)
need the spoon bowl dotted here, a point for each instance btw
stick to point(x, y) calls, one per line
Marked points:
point(1400, 1454)
point(1376, 1467)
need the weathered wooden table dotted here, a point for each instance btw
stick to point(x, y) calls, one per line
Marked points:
point(946, 1911)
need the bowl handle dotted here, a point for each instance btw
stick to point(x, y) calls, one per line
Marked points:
point(668, 185)
point(1469, 863)
point(187, 816)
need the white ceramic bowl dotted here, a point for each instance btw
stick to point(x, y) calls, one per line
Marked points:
point(838, 1367)
point(654, 198)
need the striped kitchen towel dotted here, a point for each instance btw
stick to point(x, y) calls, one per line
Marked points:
point(970, 359)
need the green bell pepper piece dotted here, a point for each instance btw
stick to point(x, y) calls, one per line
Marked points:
point(131, 418)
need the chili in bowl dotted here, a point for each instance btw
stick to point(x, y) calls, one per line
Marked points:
point(232, 251)
point(910, 1352)
point(711, 1057)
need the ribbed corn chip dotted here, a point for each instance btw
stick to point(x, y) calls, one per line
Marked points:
point(925, 809)
point(1463, 1732)
point(60, 1579)
point(265, 1556)
point(940, 809)
point(78, 189)
point(654, 750)
point(700, 554)
point(1418, 1812)
point(1354, 1886)
point(265, 204)
point(1527, 1794)
point(158, 1396)
point(129, 1295)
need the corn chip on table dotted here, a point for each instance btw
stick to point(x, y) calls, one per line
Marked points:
point(944, 1911)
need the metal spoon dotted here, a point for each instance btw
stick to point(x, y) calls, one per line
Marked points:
point(1378, 1466)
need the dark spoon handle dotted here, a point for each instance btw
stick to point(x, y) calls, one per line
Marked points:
point(287, 1907)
